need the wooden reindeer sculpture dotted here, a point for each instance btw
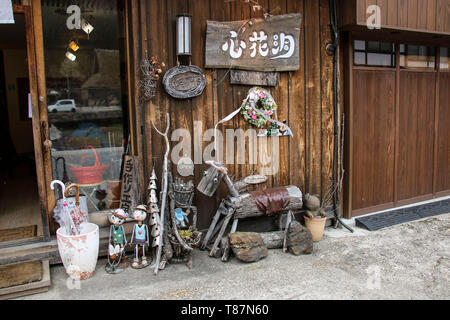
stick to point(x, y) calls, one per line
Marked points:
point(242, 205)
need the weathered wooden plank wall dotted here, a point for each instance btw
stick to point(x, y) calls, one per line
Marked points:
point(423, 15)
point(304, 97)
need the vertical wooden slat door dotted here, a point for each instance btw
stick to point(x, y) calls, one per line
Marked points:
point(373, 140)
point(443, 136)
point(416, 134)
point(399, 137)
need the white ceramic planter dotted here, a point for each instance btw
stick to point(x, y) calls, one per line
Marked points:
point(79, 254)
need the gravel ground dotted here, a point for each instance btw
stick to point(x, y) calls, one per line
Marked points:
point(408, 261)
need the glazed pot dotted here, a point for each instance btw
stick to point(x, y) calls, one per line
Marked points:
point(79, 253)
point(316, 226)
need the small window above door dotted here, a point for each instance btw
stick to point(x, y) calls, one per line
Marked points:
point(445, 59)
point(417, 57)
point(374, 54)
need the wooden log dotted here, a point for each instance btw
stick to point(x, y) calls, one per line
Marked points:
point(246, 206)
point(299, 239)
point(273, 240)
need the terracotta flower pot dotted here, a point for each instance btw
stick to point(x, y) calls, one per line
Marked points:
point(316, 226)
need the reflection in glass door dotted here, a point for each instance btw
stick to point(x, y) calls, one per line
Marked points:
point(84, 97)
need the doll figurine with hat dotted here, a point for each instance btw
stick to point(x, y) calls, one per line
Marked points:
point(117, 243)
point(140, 237)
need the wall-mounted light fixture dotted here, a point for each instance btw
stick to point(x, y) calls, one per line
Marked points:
point(184, 34)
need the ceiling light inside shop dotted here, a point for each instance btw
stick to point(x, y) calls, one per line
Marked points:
point(74, 46)
point(86, 26)
point(71, 56)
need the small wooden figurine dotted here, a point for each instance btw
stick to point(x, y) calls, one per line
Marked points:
point(140, 237)
point(117, 243)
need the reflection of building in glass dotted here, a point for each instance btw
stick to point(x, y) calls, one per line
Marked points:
point(84, 68)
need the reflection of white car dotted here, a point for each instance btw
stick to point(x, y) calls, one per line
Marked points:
point(63, 106)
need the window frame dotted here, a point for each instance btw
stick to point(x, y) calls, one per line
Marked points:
point(367, 51)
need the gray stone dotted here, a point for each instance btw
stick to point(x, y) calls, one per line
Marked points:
point(247, 246)
point(299, 239)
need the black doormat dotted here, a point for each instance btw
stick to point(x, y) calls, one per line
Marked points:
point(391, 218)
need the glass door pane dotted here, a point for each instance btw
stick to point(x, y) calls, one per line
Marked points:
point(417, 57)
point(445, 59)
point(84, 96)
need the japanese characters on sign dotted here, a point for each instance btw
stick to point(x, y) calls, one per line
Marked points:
point(270, 44)
point(128, 199)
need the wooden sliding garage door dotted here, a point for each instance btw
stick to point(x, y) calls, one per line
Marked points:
point(373, 146)
point(398, 136)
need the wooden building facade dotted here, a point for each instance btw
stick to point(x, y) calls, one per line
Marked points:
point(397, 138)
point(392, 102)
point(304, 97)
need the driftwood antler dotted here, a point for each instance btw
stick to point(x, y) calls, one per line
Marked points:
point(165, 184)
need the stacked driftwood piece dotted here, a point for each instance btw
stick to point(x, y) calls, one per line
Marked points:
point(239, 206)
point(183, 242)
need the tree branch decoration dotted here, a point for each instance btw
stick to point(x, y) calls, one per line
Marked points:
point(165, 185)
point(150, 73)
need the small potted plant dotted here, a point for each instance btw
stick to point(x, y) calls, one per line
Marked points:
point(315, 217)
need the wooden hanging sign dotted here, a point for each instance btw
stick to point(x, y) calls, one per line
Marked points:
point(270, 44)
point(255, 78)
point(130, 186)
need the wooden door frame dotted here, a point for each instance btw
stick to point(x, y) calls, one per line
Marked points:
point(36, 71)
point(39, 99)
point(348, 211)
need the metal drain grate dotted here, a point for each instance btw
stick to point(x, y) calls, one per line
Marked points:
point(391, 218)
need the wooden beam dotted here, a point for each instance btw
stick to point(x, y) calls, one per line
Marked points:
point(36, 70)
point(29, 288)
point(20, 273)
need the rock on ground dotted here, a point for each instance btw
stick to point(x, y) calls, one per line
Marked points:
point(248, 246)
point(299, 239)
